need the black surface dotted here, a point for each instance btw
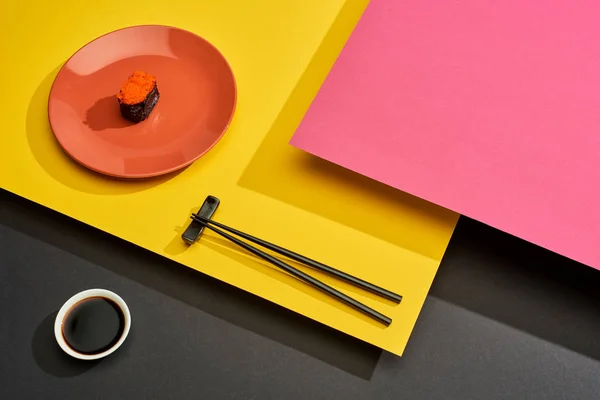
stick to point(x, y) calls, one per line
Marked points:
point(505, 320)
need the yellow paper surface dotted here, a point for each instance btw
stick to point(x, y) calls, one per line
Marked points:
point(280, 52)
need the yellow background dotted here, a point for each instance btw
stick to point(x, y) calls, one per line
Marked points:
point(280, 52)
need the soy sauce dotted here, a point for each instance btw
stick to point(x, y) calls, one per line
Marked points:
point(93, 325)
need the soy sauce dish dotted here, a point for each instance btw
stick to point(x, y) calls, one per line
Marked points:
point(92, 324)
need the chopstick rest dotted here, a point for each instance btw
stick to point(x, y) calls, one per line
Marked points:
point(195, 228)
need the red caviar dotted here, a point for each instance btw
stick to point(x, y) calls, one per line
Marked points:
point(136, 88)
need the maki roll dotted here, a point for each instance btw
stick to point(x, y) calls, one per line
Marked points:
point(138, 96)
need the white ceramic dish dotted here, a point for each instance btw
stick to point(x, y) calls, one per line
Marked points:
point(86, 294)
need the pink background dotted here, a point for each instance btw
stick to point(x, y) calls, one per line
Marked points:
point(489, 108)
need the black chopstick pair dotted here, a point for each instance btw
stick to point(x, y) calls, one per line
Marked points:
point(214, 226)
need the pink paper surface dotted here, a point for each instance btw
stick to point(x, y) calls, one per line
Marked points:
point(489, 108)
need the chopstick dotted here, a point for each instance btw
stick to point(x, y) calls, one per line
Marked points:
point(377, 316)
point(307, 261)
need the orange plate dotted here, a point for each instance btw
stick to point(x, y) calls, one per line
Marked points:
point(197, 101)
